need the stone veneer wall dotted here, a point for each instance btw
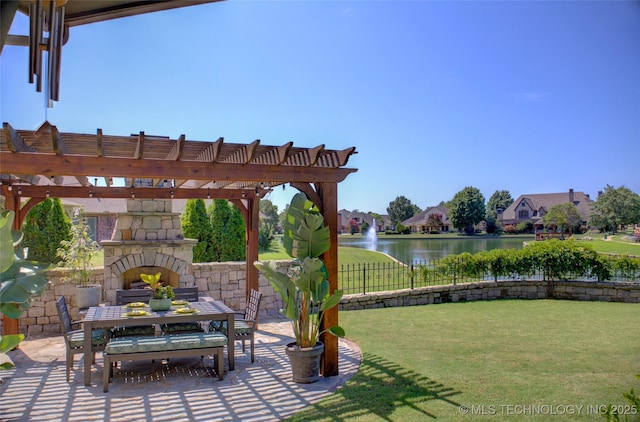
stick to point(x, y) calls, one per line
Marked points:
point(226, 281)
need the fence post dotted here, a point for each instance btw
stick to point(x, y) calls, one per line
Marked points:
point(412, 275)
point(364, 279)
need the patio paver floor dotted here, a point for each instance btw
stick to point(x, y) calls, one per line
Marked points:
point(179, 390)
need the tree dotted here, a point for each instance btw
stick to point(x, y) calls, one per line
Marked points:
point(269, 212)
point(562, 216)
point(235, 244)
point(269, 224)
point(501, 199)
point(401, 209)
point(196, 225)
point(46, 225)
point(228, 238)
point(434, 222)
point(353, 225)
point(78, 252)
point(615, 207)
point(467, 209)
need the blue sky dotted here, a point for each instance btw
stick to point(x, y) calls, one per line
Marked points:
point(531, 97)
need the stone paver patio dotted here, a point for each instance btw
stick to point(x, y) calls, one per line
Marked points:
point(180, 390)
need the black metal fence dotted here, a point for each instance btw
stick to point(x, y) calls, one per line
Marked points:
point(369, 277)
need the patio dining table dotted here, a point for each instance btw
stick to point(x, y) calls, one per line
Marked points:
point(207, 309)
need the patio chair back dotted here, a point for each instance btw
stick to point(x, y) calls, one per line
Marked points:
point(253, 306)
point(126, 296)
point(186, 293)
point(63, 315)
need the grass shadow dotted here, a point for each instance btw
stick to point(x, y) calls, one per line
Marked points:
point(379, 388)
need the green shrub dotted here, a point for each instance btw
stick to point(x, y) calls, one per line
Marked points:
point(46, 225)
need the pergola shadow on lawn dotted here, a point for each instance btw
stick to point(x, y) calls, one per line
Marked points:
point(398, 385)
point(42, 163)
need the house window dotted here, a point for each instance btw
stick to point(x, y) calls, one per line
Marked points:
point(523, 214)
point(92, 222)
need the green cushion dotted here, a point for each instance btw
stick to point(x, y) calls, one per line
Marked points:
point(98, 338)
point(180, 327)
point(134, 330)
point(135, 344)
point(241, 327)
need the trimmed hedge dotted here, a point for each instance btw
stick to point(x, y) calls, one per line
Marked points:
point(554, 259)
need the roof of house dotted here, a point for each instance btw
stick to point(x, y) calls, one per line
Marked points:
point(421, 218)
point(544, 201)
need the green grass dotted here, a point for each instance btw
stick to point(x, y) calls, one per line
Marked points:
point(425, 362)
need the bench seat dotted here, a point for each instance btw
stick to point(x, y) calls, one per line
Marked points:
point(165, 346)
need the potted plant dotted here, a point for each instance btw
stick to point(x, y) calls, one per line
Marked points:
point(304, 289)
point(162, 295)
point(77, 254)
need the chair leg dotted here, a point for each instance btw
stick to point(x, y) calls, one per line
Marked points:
point(220, 363)
point(69, 364)
point(252, 351)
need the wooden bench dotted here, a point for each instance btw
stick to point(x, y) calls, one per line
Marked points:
point(165, 346)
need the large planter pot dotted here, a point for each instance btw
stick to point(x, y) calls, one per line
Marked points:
point(159, 304)
point(305, 363)
point(88, 295)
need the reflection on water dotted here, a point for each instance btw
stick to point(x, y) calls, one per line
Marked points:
point(421, 250)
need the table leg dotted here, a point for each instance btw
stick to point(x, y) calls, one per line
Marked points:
point(231, 346)
point(88, 357)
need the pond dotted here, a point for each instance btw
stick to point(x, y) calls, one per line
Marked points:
point(412, 250)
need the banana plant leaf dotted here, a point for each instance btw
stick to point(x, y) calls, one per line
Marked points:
point(8, 343)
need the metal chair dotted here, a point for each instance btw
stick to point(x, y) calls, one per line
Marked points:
point(74, 337)
point(190, 294)
point(246, 325)
point(124, 297)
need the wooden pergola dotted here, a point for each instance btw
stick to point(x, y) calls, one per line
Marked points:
point(36, 164)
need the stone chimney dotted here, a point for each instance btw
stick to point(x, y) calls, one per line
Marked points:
point(571, 197)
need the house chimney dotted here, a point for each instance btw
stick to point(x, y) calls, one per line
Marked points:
point(599, 194)
point(571, 195)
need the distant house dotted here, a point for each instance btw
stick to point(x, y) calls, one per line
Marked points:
point(360, 217)
point(418, 223)
point(532, 207)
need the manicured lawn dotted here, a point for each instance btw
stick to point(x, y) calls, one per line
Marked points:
point(425, 362)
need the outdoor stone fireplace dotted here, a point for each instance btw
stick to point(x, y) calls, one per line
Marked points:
point(147, 239)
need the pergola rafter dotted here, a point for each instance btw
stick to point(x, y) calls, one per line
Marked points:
point(48, 163)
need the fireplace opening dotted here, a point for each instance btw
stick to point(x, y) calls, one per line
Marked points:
point(131, 278)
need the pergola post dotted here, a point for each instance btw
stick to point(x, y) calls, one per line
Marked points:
point(253, 232)
point(329, 209)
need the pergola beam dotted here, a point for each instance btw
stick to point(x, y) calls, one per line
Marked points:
point(29, 191)
point(53, 165)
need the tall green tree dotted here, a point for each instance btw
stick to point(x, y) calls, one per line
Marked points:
point(614, 208)
point(401, 209)
point(45, 226)
point(562, 216)
point(501, 199)
point(467, 209)
point(235, 246)
point(196, 225)
point(269, 224)
point(228, 238)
